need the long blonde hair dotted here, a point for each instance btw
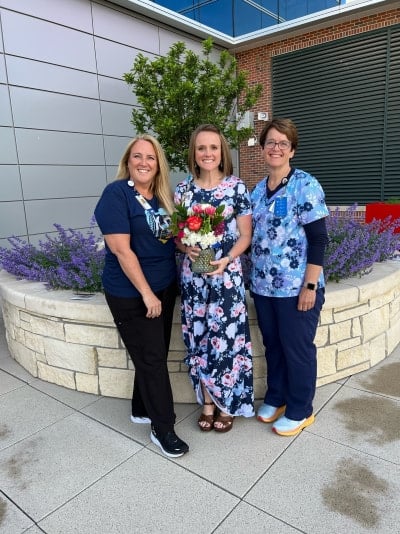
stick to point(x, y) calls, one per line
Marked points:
point(161, 186)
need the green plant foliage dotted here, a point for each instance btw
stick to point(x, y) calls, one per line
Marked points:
point(182, 90)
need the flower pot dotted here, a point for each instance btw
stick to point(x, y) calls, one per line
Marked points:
point(202, 263)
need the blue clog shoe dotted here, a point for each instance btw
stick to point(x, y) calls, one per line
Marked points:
point(268, 414)
point(289, 427)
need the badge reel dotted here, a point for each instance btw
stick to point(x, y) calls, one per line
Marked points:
point(280, 207)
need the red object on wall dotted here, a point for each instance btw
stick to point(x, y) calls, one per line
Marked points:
point(382, 210)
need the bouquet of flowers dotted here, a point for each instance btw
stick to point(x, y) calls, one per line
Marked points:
point(200, 225)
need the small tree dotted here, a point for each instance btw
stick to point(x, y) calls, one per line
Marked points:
point(180, 91)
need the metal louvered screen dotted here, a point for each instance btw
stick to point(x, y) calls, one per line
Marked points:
point(391, 184)
point(344, 98)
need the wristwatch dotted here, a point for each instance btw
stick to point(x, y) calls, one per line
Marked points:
point(311, 286)
point(230, 258)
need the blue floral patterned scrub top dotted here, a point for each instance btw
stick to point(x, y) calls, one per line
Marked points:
point(279, 244)
point(214, 316)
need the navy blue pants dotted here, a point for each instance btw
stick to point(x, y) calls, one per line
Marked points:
point(147, 342)
point(288, 337)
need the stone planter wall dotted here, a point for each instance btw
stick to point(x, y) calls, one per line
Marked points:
point(74, 343)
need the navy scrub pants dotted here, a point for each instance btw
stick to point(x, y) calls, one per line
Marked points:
point(147, 342)
point(288, 337)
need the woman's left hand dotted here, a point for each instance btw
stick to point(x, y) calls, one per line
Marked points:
point(222, 264)
point(306, 299)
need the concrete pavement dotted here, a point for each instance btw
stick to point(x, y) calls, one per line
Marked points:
point(72, 462)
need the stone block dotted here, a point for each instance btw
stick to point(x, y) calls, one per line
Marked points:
point(13, 290)
point(349, 358)
point(383, 278)
point(116, 382)
point(340, 315)
point(341, 294)
point(87, 383)
point(47, 326)
point(11, 315)
point(176, 318)
point(176, 356)
point(356, 327)
point(251, 309)
point(326, 316)
point(326, 361)
point(394, 307)
point(176, 342)
point(348, 343)
point(257, 344)
point(321, 336)
point(82, 358)
point(112, 358)
point(393, 337)
point(342, 374)
point(381, 300)
point(91, 335)
point(339, 331)
point(184, 368)
point(19, 335)
point(259, 367)
point(62, 377)
point(62, 303)
point(259, 388)
point(377, 349)
point(173, 367)
point(182, 388)
point(375, 323)
point(24, 356)
point(34, 342)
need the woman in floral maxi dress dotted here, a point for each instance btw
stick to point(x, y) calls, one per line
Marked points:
point(214, 315)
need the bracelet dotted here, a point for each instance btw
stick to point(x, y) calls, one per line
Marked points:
point(230, 258)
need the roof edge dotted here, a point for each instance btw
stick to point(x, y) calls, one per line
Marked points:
point(317, 20)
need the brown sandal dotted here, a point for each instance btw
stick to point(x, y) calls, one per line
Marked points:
point(226, 423)
point(207, 419)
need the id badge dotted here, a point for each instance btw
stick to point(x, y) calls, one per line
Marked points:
point(280, 208)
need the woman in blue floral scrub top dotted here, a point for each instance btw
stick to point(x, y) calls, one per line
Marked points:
point(214, 316)
point(287, 281)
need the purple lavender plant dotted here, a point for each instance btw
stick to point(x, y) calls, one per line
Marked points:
point(354, 246)
point(67, 260)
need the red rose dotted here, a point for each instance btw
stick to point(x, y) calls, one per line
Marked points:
point(194, 223)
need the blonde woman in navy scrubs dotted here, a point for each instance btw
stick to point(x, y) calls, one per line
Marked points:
point(139, 280)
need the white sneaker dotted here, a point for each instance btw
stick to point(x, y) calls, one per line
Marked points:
point(140, 420)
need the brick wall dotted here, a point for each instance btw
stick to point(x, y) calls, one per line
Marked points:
point(257, 62)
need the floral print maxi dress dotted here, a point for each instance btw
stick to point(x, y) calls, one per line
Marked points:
point(214, 315)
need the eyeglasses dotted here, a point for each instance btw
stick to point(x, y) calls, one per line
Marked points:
point(283, 145)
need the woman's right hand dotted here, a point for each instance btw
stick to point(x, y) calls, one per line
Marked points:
point(192, 252)
point(153, 305)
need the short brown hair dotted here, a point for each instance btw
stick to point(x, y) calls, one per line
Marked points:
point(226, 157)
point(284, 126)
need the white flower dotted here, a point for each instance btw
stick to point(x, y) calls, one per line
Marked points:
point(193, 239)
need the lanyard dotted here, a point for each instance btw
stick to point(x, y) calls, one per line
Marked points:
point(159, 222)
